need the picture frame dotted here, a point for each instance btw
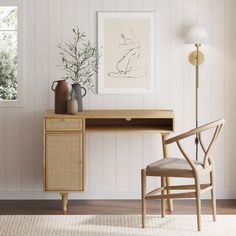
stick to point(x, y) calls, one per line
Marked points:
point(126, 44)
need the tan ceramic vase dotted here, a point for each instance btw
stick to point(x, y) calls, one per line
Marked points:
point(72, 106)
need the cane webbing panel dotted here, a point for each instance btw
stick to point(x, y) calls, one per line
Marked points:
point(64, 124)
point(64, 162)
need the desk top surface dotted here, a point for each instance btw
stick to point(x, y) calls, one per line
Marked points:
point(144, 113)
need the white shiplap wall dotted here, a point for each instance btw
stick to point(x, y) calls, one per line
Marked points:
point(113, 161)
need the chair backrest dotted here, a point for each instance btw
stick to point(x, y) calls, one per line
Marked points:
point(216, 125)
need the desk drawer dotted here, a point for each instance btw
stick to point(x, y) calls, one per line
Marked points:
point(72, 124)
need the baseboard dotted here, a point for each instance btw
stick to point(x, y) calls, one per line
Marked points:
point(222, 194)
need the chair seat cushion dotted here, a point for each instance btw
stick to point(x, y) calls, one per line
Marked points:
point(175, 167)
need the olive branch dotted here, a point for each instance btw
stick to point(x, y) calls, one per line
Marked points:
point(80, 60)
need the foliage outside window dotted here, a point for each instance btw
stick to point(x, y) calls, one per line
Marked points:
point(8, 53)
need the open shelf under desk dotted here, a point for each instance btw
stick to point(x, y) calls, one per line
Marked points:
point(122, 125)
point(130, 129)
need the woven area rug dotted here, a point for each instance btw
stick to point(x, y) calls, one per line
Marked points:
point(117, 225)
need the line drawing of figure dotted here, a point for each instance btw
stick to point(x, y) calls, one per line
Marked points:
point(126, 67)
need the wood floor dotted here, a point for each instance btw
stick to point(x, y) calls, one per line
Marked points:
point(49, 207)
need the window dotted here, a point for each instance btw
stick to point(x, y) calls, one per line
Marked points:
point(11, 58)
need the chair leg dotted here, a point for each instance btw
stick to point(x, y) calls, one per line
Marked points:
point(213, 195)
point(165, 154)
point(143, 190)
point(198, 201)
point(170, 201)
point(162, 200)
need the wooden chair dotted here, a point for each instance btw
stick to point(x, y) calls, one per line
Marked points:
point(186, 168)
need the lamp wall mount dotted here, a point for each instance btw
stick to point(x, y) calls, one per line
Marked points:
point(193, 58)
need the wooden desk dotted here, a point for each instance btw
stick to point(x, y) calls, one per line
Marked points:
point(64, 141)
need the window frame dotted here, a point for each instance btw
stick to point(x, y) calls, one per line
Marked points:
point(19, 102)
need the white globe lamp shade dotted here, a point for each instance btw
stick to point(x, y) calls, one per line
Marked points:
point(197, 35)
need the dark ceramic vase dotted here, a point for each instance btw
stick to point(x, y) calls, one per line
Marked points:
point(78, 95)
point(61, 96)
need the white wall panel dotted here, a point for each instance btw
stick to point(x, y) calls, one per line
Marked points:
point(136, 160)
point(218, 83)
point(28, 115)
point(109, 162)
point(230, 95)
point(55, 37)
point(205, 81)
point(94, 162)
point(113, 161)
point(68, 22)
point(122, 162)
point(13, 149)
point(42, 88)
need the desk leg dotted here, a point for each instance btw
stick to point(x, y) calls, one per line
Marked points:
point(64, 197)
point(165, 155)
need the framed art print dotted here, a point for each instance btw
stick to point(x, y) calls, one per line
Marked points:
point(126, 41)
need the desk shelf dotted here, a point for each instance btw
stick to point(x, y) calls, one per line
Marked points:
point(129, 125)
